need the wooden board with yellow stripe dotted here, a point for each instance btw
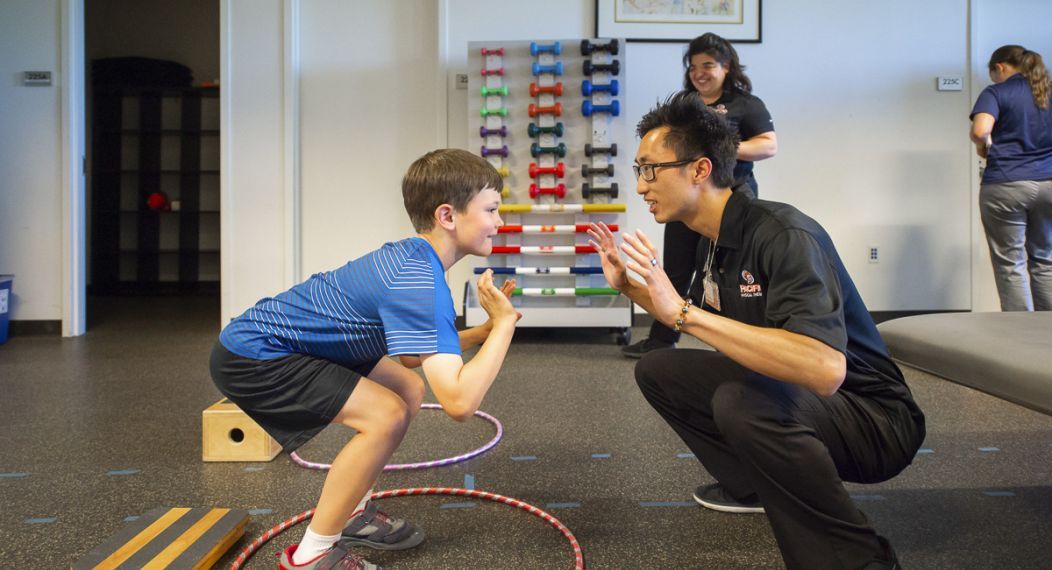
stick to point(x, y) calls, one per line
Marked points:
point(170, 538)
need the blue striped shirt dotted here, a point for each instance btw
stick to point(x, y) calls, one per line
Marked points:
point(391, 301)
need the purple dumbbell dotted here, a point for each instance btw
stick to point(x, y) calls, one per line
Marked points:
point(502, 131)
point(503, 151)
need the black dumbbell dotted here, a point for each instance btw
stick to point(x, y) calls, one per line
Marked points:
point(613, 68)
point(588, 191)
point(591, 171)
point(587, 47)
point(589, 150)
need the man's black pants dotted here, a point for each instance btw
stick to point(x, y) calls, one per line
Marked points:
point(789, 446)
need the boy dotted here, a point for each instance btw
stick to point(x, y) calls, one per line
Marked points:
point(320, 352)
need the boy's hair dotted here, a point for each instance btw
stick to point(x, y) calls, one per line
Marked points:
point(695, 131)
point(445, 176)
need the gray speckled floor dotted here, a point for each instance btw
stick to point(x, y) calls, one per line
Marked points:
point(127, 397)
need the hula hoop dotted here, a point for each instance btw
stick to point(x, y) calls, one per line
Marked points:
point(578, 555)
point(426, 464)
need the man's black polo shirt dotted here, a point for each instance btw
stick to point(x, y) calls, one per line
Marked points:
point(776, 267)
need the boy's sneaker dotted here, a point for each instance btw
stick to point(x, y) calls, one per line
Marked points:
point(376, 529)
point(644, 346)
point(716, 498)
point(337, 558)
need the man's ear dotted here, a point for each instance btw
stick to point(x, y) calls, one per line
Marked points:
point(444, 216)
point(702, 170)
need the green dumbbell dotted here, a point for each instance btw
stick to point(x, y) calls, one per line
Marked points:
point(503, 112)
point(536, 149)
point(487, 91)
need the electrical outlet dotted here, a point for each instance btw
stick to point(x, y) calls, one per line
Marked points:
point(462, 81)
point(874, 254)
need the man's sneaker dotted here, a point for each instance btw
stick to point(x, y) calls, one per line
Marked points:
point(644, 346)
point(376, 529)
point(336, 558)
point(716, 498)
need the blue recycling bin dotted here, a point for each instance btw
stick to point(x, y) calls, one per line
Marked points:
point(5, 304)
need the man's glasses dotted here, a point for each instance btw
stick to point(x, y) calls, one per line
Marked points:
point(649, 171)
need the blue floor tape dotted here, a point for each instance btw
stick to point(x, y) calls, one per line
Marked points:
point(44, 520)
point(13, 475)
point(667, 504)
point(123, 472)
point(254, 469)
point(562, 505)
point(257, 512)
point(685, 455)
point(523, 457)
point(131, 518)
point(924, 450)
point(457, 506)
point(600, 456)
point(989, 449)
point(469, 481)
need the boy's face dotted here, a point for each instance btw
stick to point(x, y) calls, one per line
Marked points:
point(478, 223)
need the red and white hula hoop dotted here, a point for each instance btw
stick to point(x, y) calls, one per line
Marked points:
point(425, 464)
point(577, 553)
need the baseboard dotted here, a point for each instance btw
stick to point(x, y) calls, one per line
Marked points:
point(34, 328)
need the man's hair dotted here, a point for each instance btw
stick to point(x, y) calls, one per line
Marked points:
point(445, 176)
point(695, 130)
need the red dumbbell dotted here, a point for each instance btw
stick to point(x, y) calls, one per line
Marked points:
point(556, 109)
point(559, 190)
point(558, 170)
point(497, 71)
point(499, 51)
point(556, 89)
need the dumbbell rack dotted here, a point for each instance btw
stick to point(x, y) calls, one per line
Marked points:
point(543, 245)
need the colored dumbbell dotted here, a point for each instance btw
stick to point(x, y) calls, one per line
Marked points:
point(556, 109)
point(587, 191)
point(503, 111)
point(614, 67)
point(502, 131)
point(556, 89)
point(592, 171)
point(588, 108)
point(557, 68)
point(495, 71)
point(504, 171)
point(558, 190)
point(503, 151)
point(502, 90)
point(587, 87)
point(537, 150)
point(534, 130)
point(589, 150)
point(559, 170)
point(587, 47)
point(536, 48)
point(499, 51)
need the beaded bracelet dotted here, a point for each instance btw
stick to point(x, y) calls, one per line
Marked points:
point(683, 312)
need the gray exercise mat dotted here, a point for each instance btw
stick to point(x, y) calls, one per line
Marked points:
point(1008, 355)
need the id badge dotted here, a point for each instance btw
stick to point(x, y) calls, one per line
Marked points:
point(712, 292)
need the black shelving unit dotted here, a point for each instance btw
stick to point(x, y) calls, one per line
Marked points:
point(154, 140)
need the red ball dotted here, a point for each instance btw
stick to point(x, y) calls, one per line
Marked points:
point(157, 201)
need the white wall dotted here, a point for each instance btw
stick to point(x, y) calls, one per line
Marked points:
point(31, 158)
point(996, 23)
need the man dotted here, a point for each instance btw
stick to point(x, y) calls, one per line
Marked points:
point(800, 394)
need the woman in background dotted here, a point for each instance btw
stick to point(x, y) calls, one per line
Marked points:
point(712, 70)
point(1012, 130)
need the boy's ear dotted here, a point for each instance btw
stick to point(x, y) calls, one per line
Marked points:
point(444, 216)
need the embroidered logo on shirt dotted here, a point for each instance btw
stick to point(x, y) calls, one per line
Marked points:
point(721, 109)
point(750, 288)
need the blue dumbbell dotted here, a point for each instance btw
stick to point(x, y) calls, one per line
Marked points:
point(536, 48)
point(587, 108)
point(556, 69)
point(587, 87)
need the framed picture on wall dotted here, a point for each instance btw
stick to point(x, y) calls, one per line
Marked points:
point(678, 20)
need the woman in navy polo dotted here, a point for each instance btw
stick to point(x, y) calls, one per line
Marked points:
point(1012, 130)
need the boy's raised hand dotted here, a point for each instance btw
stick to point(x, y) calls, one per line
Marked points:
point(613, 268)
point(497, 302)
